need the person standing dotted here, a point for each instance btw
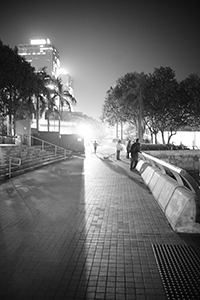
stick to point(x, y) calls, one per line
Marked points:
point(135, 149)
point(119, 148)
point(128, 148)
point(95, 146)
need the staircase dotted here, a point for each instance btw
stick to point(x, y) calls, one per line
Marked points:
point(16, 160)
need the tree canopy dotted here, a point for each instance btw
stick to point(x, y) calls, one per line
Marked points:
point(157, 101)
point(17, 83)
point(23, 91)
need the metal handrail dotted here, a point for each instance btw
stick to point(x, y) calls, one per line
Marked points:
point(69, 152)
point(181, 175)
point(11, 162)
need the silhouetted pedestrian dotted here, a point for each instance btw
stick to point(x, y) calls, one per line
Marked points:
point(95, 144)
point(135, 149)
point(128, 148)
point(119, 148)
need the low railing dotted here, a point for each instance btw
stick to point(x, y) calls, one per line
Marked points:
point(12, 161)
point(7, 139)
point(180, 175)
point(47, 146)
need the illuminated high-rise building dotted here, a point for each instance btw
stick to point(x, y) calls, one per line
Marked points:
point(68, 83)
point(41, 53)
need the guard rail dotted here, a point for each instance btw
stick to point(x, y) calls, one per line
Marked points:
point(46, 145)
point(179, 174)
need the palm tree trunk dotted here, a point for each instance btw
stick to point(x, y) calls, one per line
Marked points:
point(59, 117)
point(37, 113)
point(48, 123)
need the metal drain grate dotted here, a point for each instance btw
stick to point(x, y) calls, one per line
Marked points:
point(179, 267)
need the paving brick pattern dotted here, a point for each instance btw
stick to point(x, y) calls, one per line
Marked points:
point(81, 229)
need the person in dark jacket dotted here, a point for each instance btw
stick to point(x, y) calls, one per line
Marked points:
point(128, 148)
point(135, 149)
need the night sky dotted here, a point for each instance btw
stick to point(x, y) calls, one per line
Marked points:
point(100, 41)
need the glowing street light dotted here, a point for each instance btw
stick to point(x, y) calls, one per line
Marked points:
point(62, 71)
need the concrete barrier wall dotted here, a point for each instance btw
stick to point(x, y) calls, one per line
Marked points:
point(186, 159)
point(176, 201)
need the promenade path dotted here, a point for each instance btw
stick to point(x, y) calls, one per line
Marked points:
point(87, 228)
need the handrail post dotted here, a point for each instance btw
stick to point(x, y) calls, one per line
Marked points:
point(56, 150)
point(42, 145)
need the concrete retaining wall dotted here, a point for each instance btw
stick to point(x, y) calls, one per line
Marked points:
point(176, 201)
point(186, 159)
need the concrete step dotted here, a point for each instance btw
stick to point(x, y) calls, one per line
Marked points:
point(31, 158)
point(29, 166)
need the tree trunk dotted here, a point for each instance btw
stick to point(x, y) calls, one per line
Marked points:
point(156, 141)
point(151, 137)
point(121, 131)
point(10, 125)
point(140, 134)
point(117, 130)
point(163, 138)
point(48, 123)
point(170, 136)
point(59, 116)
point(37, 113)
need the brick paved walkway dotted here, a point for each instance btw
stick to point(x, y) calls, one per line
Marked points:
point(81, 229)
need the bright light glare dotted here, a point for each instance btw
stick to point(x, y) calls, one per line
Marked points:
point(62, 71)
point(38, 42)
point(51, 86)
point(84, 130)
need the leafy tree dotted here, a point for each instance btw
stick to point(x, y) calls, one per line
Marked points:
point(162, 104)
point(17, 80)
point(190, 99)
point(111, 108)
point(124, 102)
point(112, 111)
point(131, 87)
point(159, 99)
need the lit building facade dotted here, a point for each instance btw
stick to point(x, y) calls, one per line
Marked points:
point(68, 83)
point(41, 54)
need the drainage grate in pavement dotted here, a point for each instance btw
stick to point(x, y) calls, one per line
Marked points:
point(179, 267)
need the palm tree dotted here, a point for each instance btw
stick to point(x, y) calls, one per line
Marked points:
point(41, 94)
point(48, 90)
point(64, 97)
point(45, 97)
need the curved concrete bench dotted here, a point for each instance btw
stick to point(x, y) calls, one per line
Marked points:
point(176, 201)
